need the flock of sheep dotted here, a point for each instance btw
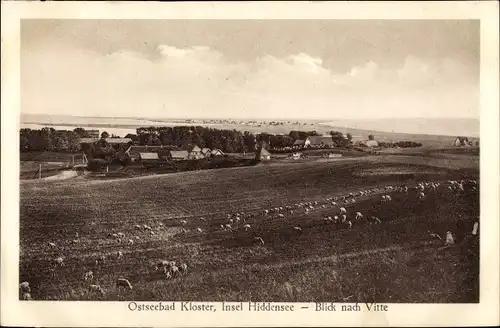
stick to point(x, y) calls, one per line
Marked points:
point(242, 221)
point(170, 269)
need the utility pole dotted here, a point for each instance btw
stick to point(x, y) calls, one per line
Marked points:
point(40, 171)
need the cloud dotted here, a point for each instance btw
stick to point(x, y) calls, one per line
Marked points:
point(199, 81)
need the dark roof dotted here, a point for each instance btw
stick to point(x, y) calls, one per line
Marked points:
point(299, 142)
point(321, 140)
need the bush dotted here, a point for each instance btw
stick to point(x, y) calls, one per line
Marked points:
point(97, 164)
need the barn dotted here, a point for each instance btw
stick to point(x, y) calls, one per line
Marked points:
point(179, 155)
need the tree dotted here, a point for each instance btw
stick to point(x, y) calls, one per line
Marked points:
point(349, 136)
point(371, 137)
point(104, 135)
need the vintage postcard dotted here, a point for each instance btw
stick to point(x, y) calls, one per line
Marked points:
point(250, 164)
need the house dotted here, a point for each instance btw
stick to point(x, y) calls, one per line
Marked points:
point(206, 152)
point(333, 155)
point(461, 141)
point(321, 141)
point(179, 155)
point(195, 152)
point(314, 142)
point(301, 143)
point(264, 155)
point(217, 152)
point(133, 152)
point(371, 143)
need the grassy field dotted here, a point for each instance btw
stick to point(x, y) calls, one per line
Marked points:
point(395, 261)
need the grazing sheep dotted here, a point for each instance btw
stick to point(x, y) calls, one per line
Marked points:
point(183, 222)
point(130, 241)
point(96, 289)
point(344, 218)
point(359, 215)
point(336, 218)
point(152, 233)
point(138, 227)
point(246, 226)
point(222, 227)
point(183, 268)
point(375, 219)
point(449, 238)
point(343, 210)
point(259, 239)
point(388, 198)
point(174, 270)
point(202, 219)
point(25, 287)
point(52, 245)
point(120, 234)
point(76, 234)
point(76, 241)
point(122, 282)
point(100, 260)
point(161, 264)
point(89, 275)
point(59, 261)
point(420, 195)
point(349, 223)
point(168, 275)
point(297, 228)
point(137, 237)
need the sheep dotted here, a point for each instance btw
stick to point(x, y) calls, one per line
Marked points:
point(282, 216)
point(120, 234)
point(89, 275)
point(174, 270)
point(298, 229)
point(76, 234)
point(152, 233)
point(343, 210)
point(168, 275)
point(375, 219)
point(449, 238)
point(359, 215)
point(266, 212)
point(228, 226)
point(222, 227)
point(336, 218)
point(184, 222)
point(344, 218)
point(122, 282)
point(183, 268)
point(130, 241)
point(59, 261)
point(25, 287)
point(119, 254)
point(349, 223)
point(138, 227)
point(100, 260)
point(420, 195)
point(388, 198)
point(246, 226)
point(137, 238)
point(161, 264)
point(76, 241)
point(259, 239)
point(96, 289)
point(52, 245)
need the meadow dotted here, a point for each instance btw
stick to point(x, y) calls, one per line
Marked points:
point(395, 261)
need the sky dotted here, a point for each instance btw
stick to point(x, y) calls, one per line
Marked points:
point(271, 69)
